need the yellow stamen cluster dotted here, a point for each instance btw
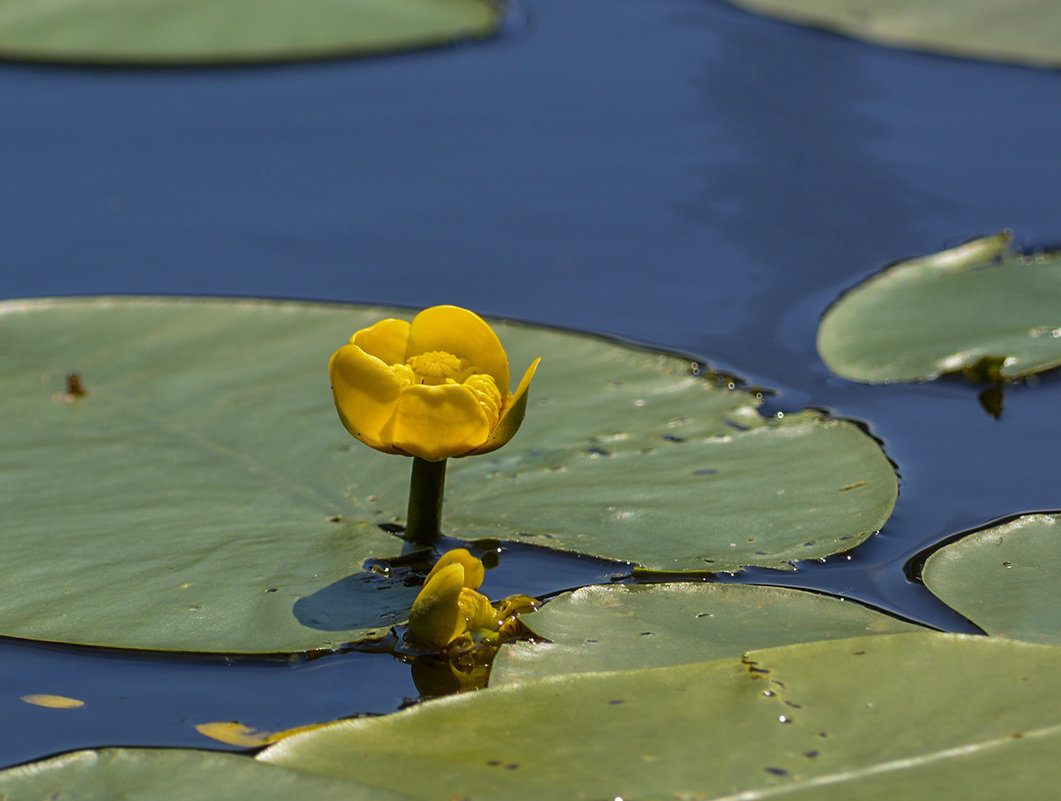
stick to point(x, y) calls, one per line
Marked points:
point(488, 395)
point(438, 367)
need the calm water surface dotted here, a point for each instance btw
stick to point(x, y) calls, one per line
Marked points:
point(675, 172)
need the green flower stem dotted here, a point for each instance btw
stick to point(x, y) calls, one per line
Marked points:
point(423, 524)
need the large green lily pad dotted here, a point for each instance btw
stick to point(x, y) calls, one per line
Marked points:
point(229, 31)
point(173, 775)
point(1022, 31)
point(203, 495)
point(623, 627)
point(980, 306)
point(1004, 578)
point(917, 711)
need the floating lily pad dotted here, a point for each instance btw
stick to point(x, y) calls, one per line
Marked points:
point(232, 31)
point(1022, 31)
point(193, 489)
point(622, 627)
point(916, 711)
point(173, 775)
point(1006, 578)
point(980, 307)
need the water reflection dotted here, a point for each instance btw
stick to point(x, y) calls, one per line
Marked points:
point(800, 188)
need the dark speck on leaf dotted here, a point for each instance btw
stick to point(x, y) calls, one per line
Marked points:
point(704, 614)
point(857, 653)
point(646, 633)
point(592, 640)
point(74, 387)
point(672, 438)
point(810, 754)
point(597, 452)
point(336, 519)
point(794, 705)
point(617, 701)
point(271, 589)
point(511, 766)
point(777, 771)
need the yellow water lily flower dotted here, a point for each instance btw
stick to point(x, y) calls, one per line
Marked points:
point(449, 607)
point(433, 388)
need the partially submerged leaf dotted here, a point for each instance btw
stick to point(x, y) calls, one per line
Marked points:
point(202, 495)
point(173, 775)
point(622, 627)
point(233, 732)
point(923, 711)
point(1022, 31)
point(52, 701)
point(980, 308)
point(1005, 578)
point(232, 31)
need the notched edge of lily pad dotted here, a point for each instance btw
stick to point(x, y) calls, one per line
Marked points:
point(987, 370)
point(915, 566)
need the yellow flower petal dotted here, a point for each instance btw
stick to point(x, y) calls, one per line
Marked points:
point(52, 701)
point(386, 340)
point(366, 394)
point(435, 619)
point(235, 733)
point(474, 572)
point(436, 422)
point(462, 333)
point(511, 415)
point(477, 611)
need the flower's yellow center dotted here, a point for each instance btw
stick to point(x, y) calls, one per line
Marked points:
point(437, 367)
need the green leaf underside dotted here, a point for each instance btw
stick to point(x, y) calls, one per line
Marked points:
point(946, 312)
point(183, 32)
point(914, 710)
point(1021, 31)
point(1005, 578)
point(186, 502)
point(624, 627)
point(173, 775)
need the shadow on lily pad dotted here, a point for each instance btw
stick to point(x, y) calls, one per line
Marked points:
point(361, 600)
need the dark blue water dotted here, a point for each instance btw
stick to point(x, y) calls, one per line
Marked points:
point(676, 172)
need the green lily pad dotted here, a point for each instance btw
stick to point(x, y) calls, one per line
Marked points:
point(1021, 31)
point(202, 494)
point(980, 307)
point(1005, 578)
point(917, 710)
point(232, 31)
point(623, 627)
point(173, 775)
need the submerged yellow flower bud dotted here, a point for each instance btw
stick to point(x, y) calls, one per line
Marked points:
point(449, 606)
point(433, 388)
